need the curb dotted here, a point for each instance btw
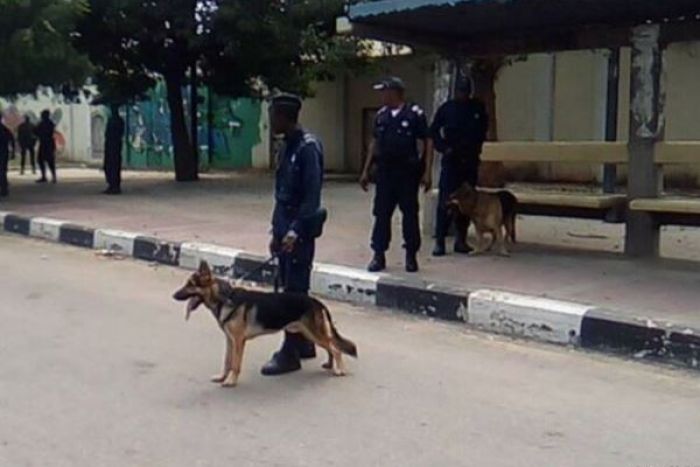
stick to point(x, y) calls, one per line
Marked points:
point(518, 315)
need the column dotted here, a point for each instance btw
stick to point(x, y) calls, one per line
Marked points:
point(646, 124)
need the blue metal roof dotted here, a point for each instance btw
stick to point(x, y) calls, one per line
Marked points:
point(373, 8)
point(520, 25)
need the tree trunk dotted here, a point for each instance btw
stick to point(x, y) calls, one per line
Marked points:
point(485, 73)
point(186, 169)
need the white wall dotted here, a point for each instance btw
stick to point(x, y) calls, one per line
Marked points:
point(73, 134)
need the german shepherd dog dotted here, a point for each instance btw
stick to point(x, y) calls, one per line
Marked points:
point(245, 314)
point(490, 212)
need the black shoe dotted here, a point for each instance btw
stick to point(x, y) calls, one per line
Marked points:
point(378, 263)
point(4, 194)
point(462, 248)
point(307, 350)
point(281, 363)
point(41, 180)
point(439, 249)
point(112, 191)
point(411, 262)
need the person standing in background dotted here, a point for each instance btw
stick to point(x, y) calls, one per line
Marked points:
point(47, 146)
point(27, 144)
point(7, 151)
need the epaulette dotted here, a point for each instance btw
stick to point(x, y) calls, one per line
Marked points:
point(416, 109)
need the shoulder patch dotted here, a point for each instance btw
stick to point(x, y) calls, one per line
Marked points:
point(382, 110)
point(416, 109)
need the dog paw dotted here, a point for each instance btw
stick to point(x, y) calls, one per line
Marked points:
point(327, 366)
point(217, 378)
point(338, 373)
point(229, 384)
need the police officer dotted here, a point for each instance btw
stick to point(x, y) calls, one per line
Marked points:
point(114, 138)
point(7, 149)
point(298, 184)
point(27, 144)
point(458, 131)
point(398, 128)
point(47, 146)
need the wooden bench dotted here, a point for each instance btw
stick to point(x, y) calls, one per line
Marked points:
point(606, 207)
point(670, 210)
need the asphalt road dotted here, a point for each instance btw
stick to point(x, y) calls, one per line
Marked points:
point(98, 368)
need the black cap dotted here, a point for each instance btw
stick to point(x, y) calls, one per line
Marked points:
point(390, 83)
point(287, 101)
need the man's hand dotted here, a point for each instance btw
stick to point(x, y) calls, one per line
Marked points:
point(427, 181)
point(289, 241)
point(364, 181)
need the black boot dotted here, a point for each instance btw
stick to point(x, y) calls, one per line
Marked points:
point(439, 249)
point(411, 262)
point(461, 245)
point(286, 359)
point(378, 263)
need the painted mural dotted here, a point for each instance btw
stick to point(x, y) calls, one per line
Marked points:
point(228, 130)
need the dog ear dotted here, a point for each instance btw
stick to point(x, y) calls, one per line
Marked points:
point(204, 269)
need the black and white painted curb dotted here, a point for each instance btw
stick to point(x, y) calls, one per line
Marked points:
point(518, 315)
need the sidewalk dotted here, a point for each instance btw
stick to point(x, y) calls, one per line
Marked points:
point(558, 258)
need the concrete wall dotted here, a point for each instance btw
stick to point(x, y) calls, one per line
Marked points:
point(324, 115)
point(417, 75)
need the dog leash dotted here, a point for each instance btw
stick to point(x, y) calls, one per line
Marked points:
point(271, 260)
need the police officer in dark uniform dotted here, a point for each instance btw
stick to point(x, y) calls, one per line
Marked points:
point(296, 218)
point(400, 169)
point(27, 144)
point(7, 150)
point(114, 139)
point(47, 146)
point(458, 131)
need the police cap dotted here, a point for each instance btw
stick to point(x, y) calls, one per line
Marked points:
point(288, 102)
point(393, 83)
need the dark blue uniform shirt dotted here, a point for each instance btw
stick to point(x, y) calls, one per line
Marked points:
point(460, 127)
point(396, 136)
point(298, 183)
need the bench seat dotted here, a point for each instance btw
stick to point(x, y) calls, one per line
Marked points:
point(609, 208)
point(670, 211)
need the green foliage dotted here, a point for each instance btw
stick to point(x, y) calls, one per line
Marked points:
point(35, 46)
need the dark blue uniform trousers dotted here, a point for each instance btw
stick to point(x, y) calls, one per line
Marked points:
point(295, 276)
point(396, 186)
point(452, 175)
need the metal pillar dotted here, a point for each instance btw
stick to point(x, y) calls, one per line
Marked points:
point(612, 106)
point(646, 124)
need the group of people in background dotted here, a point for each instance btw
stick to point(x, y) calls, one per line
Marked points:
point(28, 136)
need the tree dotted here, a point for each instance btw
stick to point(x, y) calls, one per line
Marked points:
point(35, 46)
point(239, 47)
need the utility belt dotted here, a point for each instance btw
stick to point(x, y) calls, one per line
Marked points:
point(312, 225)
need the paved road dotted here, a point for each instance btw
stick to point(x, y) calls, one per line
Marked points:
point(98, 368)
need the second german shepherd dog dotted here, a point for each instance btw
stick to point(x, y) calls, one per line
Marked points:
point(491, 213)
point(244, 314)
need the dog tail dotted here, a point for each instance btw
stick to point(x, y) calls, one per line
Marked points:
point(509, 204)
point(344, 345)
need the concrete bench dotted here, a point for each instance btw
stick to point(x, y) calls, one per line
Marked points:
point(670, 211)
point(609, 208)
